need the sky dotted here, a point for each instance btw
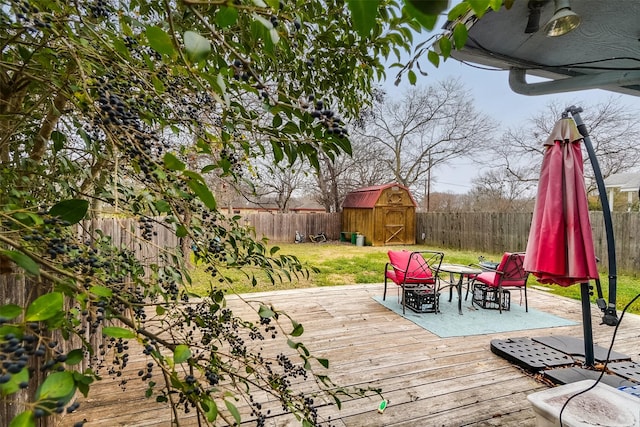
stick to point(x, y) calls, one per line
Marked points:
point(493, 96)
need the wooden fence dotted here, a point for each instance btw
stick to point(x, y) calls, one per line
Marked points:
point(493, 232)
point(129, 234)
point(482, 232)
point(282, 227)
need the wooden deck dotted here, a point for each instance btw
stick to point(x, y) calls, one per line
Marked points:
point(430, 381)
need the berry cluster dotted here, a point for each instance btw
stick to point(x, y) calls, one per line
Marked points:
point(146, 229)
point(120, 118)
point(230, 162)
point(120, 349)
point(333, 124)
point(16, 353)
point(240, 71)
point(100, 9)
point(30, 15)
point(14, 358)
point(146, 374)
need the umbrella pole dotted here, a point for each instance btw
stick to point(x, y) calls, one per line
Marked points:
point(610, 315)
point(589, 358)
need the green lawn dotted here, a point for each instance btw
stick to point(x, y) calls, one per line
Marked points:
point(344, 263)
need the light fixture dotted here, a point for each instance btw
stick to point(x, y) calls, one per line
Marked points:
point(563, 20)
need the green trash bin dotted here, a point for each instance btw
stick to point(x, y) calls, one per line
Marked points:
point(353, 238)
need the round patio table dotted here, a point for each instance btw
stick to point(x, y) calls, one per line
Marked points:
point(463, 271)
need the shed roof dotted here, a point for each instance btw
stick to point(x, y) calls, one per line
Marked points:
point(368, 196)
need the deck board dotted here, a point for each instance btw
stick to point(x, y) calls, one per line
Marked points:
point(430, 381)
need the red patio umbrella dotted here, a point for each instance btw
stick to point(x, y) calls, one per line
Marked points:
point(560, 246)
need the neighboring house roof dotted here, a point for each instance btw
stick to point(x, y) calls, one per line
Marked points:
point(295, 205)
point(368, 196)
point(306, 205)
point(627, 181)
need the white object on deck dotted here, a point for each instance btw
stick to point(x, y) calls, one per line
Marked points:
point(601, 406)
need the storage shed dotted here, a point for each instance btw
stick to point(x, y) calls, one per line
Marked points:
point(384, 214)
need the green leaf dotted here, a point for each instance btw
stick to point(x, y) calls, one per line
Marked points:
point(275, 36)
point(117, 332)
point(160, 41)
point(28, 218)
point(45, 307)
point(234, 411)
point(427, 21)
point(13, 385)
point(434, 58)
point(412, 77)
point(363, 15)
point(182, 353)
point(23, 419)
point(210, 409)
point(58, 139)
point(278, 155)
point(460, 35)
point(297, 329)
point(445, 47)
point(73, 210)
point(265, 312)
point(479, 7)
point(458, 10)
point(10, 311)
point(23, 261)
point(58, 385)
point(74, 357)
point(162, 206)
point(173, 163)
point(101, 291)
point(430, 7)
point(197, 47)
point(181, 231)
point(203, 192)
point(226, 16)
point(324, 362)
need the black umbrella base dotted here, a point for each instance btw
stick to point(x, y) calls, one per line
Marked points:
point(575, 347)
point(574, 374)
point(560, 359)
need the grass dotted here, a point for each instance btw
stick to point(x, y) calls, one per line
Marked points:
point(344, 263)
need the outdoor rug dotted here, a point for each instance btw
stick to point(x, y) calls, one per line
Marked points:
point(474, 321)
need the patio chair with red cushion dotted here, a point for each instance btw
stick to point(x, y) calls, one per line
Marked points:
point(509, 274)
point(416, 275)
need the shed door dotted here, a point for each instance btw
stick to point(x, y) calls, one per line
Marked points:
point(394, 227)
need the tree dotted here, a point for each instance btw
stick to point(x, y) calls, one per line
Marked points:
point(140, 106)
point(424, 129)
point(113, 104)
point(613, 127)
point(498, 191)
point(279, 182)
point(336, 178)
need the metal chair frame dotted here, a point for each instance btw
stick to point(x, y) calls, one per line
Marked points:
point(411, 276)
point(508, 271)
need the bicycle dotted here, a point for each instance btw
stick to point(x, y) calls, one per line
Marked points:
point(318, 238)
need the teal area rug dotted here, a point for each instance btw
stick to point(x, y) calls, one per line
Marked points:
point(474, 321)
